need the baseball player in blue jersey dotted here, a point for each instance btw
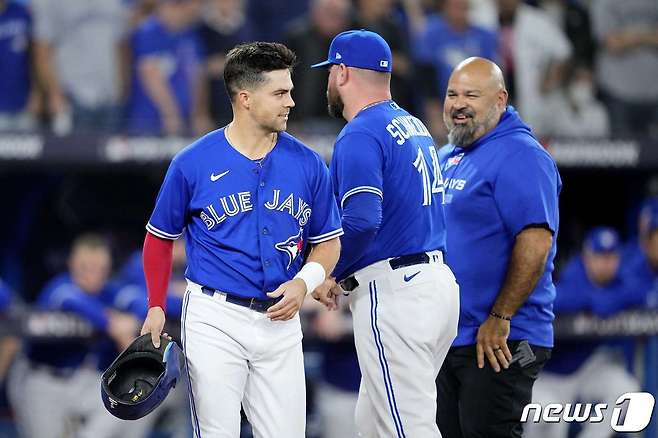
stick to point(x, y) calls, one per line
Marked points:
point(501, 208)
point(51, 385)
point(250, 198)
point(404, 299)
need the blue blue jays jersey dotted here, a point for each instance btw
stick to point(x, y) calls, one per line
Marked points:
point(15, 35)
point(62, 294)
point(247, 223)
point(496, 187)
point(388, 152)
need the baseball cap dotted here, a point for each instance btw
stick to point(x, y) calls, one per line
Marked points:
point(602, 240)
point(649, 215)
point(360, 49)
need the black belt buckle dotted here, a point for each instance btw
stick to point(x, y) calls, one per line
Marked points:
point(349, 284)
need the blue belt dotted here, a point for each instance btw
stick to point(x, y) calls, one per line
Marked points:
point(250, 303)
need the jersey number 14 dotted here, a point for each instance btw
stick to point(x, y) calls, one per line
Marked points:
point(436, 185)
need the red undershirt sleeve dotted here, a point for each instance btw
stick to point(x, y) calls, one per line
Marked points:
point(157, 258)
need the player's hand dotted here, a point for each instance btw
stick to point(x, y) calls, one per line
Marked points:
point(492, 342)
point(294, 292)
point(154, 324)
point(327, 293)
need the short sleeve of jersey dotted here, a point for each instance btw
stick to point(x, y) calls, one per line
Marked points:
point(357, 166)
point(526, 191)
point(325, 219)
point(148, 42)
point(169, 215)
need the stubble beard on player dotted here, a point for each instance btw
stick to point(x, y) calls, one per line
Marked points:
point(335, 104)
point(466, 134)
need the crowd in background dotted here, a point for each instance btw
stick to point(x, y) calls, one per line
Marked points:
point(573, 68)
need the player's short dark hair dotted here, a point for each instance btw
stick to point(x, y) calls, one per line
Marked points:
point(246, 63)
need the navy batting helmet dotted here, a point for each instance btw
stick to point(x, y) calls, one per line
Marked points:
point(141, 377)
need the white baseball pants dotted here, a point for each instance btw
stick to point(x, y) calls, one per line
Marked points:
point(239, 356)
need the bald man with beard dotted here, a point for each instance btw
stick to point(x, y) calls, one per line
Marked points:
point(501, 204)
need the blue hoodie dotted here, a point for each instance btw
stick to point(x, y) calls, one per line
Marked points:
point(495, 188)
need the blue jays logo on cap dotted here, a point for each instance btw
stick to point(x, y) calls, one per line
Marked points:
point(360, 49)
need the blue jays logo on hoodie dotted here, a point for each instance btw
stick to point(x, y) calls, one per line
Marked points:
point(453, 161)
point(292, 246)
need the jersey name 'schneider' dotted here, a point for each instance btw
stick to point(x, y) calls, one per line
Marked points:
point(388, 152)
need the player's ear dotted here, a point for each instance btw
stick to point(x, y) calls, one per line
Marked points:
point(502, 99)
point(243, 99)
point(343, 74)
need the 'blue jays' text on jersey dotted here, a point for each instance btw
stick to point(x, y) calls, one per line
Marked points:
point(495, 188)
point(388, 152)
point(246, 223)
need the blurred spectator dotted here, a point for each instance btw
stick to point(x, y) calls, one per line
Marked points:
point(378, 16)
point(272, 18)
point(50, 386)
point(627, 33)
point(534, 54)
point(573, 17)
point(225, 25)
point(591, 282)
point(166, 54)
point(641, 260)
point(16, 97)
point(140, 11)
point(448, 39)
point(9, 345)
point(339, 390)
point(309, 38)
point(574, 111)
point(77, 57)
point(174, 413)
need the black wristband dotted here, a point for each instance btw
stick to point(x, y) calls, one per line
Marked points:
point(499, 316)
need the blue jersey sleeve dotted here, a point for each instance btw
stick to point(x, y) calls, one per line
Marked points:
point(357, 166)
point(131, 298)
point(325, 218)
point(68, 298)
point(362, 217)
point(526, 191)
point(147, 41)
point(170, 213)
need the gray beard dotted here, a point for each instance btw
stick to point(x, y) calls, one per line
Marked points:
point(462, 135)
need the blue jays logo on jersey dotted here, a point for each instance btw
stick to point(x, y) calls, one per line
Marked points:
point(453, 161)
point(292, 246)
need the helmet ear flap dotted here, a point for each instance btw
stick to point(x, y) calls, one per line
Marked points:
point(141, 377)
